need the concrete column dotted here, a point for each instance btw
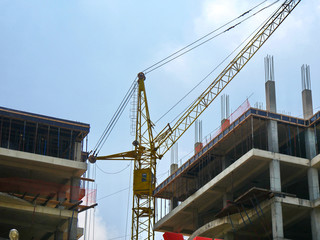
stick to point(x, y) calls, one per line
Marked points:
point(273, 146)
point(313, 182)
point(61, 197)
point(275, 178)
point(313, 175)
point(227, 196)
point(198, 136)
point(276, 207)
point(307, 104)
point(74, 189)
point(74, 197)
point(173, 168)
point(270, 88)
point(58, 235)
point(226, 162)
point(195, 213)
point(272, 131)
point(77, 151)
point(173, 200)
point(277, 223)
point(228, 236)
point(73, 227)
point(315, 223)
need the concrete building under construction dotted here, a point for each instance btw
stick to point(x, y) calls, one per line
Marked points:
point(41, 164)
point(257, 178)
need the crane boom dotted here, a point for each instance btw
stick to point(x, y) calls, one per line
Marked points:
point(148, 148)
point(169, 135)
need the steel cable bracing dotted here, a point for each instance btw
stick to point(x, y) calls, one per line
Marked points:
point(176, 55)
point(153, 67)
point(109, 195)
point(223, 61)
point(161, 63)
point(112, 173)
point(169, 135)
point(115, 118)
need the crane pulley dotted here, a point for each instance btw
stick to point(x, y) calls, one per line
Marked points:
point(147, 148)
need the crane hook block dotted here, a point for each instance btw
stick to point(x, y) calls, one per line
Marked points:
point(141, 76)
point(92, 159)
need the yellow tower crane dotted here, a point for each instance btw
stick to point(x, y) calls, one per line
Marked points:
point(149, 148)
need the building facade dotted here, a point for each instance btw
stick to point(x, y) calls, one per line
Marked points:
point(257, 178)
point(41, 164)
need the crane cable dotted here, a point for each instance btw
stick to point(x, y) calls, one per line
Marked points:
point(112, 173)
point(171, 57)
point(223, 61)
point(115, 118)
point(157, 65)
point(112, 194)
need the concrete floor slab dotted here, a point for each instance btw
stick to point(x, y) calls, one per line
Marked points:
point(293, 209)
point(41, 163)
point(253, 163)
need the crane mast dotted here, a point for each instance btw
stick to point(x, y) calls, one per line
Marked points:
point(143, 209)
point(148, 148)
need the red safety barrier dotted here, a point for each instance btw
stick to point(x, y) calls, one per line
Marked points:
point(172, 236)
point(234, 116)
point(202, 238)
point(44, 189)
point(199, 147)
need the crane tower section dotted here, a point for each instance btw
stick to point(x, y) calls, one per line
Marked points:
point(147, 149)
point(150, 149)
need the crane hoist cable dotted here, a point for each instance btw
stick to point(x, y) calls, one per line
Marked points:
point(210, 73)
point(115, 118)
point(155, 66)
point(163, 62)
point(112, 194)
point(112, 173)
point(175, 56)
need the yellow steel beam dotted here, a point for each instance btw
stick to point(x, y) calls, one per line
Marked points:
point(130, 155)
point(169, 135)
point(148, 149)
point(144, 170)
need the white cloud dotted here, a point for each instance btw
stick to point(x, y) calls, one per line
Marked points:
point(214, 14)
point(98, 230)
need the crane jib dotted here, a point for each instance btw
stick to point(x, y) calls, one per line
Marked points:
point(224, 78)
point(143, 214)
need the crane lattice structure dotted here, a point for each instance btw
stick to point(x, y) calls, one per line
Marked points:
point(148, 148)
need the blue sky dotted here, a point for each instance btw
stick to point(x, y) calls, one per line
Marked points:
point(76, 59)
